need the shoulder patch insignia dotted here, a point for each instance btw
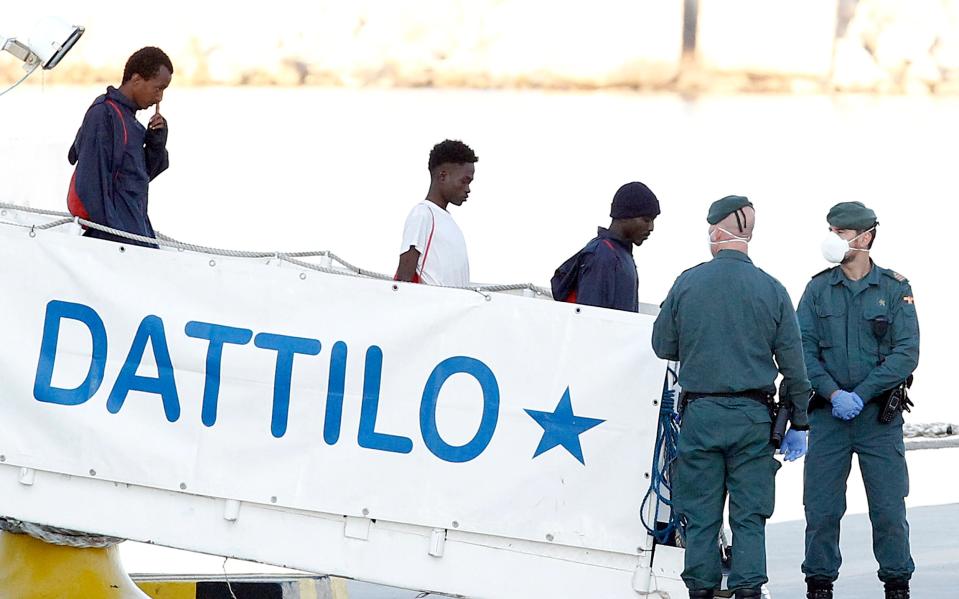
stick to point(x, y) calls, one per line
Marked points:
point(895, 275)
point(909, 299)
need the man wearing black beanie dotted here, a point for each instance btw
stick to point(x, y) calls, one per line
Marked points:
point(603, 273)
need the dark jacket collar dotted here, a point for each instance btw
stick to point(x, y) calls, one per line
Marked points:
point(118, 97)
point(604, 233)
point(732, 255)
point(838, 277)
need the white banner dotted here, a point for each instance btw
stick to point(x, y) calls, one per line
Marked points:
point(233, 378)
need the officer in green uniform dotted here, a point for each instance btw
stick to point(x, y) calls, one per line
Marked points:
point(861, 340)
point(733, 329)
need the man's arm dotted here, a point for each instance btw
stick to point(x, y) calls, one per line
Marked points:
point(597, 282)
point(416, 238)
point(157, 157)
point(94, 151)
point(788, 351)
point(821, 381)
point(407, 267)
point(904, 358)
point(665, 334)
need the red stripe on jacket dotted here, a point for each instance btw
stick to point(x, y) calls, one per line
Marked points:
point(74, 203)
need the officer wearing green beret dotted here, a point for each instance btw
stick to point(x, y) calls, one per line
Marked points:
point(861, 340)
point(733, 329)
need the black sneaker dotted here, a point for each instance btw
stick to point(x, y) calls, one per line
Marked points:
point(818, 589)
point(897, 589)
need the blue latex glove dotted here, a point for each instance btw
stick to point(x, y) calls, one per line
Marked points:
point(846, 405)
point(793, 445)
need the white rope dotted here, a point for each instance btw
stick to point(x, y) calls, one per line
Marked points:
point(290, 257)
point(53, 224)
point(44, 212)
point(57, 536)
point(226, 577)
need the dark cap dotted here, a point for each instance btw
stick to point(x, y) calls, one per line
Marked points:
point(851, 215)
point(633, 200)
point(720, 209)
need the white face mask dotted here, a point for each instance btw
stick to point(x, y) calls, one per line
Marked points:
point(736, 238)
point(834, 248)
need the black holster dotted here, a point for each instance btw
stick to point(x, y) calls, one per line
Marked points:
point(895, 400)
point(817, 402)
point(782, 412)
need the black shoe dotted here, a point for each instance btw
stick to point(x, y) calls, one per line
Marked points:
point(749, 593)
point(897, 589)
point(818, 589)
point(702, 594)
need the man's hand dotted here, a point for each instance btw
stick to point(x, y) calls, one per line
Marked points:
point(409, 260)
point(793, 445)
point(157, 121)
point(846, 405)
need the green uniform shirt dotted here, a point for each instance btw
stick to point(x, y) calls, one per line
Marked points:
point(837, 319)
point(733, 329)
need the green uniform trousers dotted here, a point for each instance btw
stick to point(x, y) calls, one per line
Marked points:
point(883, 464)
point(724, 448)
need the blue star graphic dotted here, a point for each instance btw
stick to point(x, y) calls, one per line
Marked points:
point(562, 427)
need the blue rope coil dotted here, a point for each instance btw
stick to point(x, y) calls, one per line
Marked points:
point(660, 487)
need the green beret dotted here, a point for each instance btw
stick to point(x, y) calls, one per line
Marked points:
point(851, 215)
point(720, 209)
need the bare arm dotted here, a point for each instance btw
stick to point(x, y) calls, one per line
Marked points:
point(407, 267)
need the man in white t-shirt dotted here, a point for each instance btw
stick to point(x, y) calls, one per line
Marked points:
point(434, 249)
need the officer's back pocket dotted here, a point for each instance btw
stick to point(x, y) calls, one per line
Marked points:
point(758, 414)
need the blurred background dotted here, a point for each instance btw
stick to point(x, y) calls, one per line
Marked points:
point(307, 126)
point(691, 46)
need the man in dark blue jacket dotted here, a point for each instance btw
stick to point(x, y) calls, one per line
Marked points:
point(604, 273)
point(116, 157)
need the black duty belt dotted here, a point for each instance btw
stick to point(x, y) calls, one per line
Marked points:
point(763, 397)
